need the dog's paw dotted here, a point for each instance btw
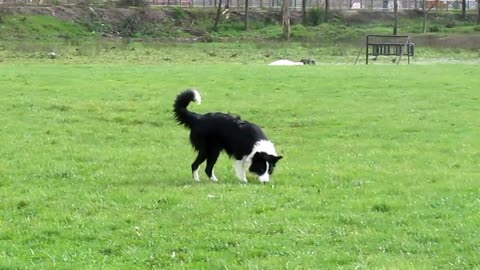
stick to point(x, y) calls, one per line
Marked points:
point(244, 180)
point(196, 177)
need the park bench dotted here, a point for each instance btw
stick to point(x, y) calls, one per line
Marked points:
point(182, 3)
point(383, 45)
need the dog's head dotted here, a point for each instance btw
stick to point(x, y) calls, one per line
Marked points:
point(263, 165)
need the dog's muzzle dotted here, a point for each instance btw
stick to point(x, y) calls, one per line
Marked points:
point(264, 178)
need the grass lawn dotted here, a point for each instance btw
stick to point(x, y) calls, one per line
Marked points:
point(380, 168)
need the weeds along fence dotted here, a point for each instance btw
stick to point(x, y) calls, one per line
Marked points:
point(451, 5)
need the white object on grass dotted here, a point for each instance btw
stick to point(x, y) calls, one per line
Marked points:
point(284, 62)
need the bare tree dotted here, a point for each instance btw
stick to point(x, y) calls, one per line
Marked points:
point(217, 18)
point(395, 13)
point(304, 12)
point(478, 16)
point(286, 19)
point(464, 9)
point(425, 13)
point(327, 7)
point(246, 14)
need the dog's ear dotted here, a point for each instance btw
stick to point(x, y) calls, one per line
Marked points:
point(273, 159)
point(266, 157)
point(276, 158)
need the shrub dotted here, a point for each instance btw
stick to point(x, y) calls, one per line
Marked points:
point(315, 16)
point(178, 13)
point(133, 3)
point(450, 25)
point(434, 28)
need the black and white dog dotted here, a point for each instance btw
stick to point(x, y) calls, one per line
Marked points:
point(211, 133)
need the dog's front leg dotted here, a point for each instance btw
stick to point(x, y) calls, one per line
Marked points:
point(240, 170)
point(195, 175)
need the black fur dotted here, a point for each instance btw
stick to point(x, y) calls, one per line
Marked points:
point(212, 133)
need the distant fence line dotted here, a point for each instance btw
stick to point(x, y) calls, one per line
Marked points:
point(455, 5)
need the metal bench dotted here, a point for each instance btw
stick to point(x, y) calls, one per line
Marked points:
point(182, 3)
point(383, 45)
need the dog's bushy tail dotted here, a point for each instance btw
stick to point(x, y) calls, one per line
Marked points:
point(182, 115)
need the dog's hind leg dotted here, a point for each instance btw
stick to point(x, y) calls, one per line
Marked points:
point(211, 160)
point(199, 160)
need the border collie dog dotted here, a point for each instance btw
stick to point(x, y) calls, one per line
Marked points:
point(212, 133)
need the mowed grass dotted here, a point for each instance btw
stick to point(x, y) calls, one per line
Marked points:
point(380, 170)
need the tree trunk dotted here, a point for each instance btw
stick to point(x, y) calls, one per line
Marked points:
point(464, 9)
point(304, 12)
point(217, 18)
point(286, 19)
point(246, 14)
point(424, 20)
point(395, 13)
point(478, 16)
point(327, 7)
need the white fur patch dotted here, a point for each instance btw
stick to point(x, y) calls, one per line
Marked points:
point(265, 177)
point(240, 170)
point(263, 146)
point(195, 175)
point(213, 178)
point(196, 97)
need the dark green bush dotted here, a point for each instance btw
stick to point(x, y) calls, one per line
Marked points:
point(315, 16)
point(133, 3)
point(434, 29)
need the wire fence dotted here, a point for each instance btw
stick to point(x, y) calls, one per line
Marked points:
point(455, 5)
point(342, 4)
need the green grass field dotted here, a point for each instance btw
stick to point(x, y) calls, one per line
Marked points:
point(380, 169)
